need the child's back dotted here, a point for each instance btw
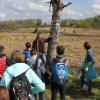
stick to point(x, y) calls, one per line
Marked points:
point(27, 51)
point(59, 74)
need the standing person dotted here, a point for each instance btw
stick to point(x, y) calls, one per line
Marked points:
point(4, 94)
point(38, 66)
point(39, 45)
point(88, 69)
point(59, 74)
point(20, 77)
point(27, 51)
point(3, 60)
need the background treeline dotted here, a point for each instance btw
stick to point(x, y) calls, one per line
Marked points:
point(33, 23)
point(86, 23)
point(16, 24)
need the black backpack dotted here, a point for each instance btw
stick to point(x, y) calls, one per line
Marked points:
point(20, 88)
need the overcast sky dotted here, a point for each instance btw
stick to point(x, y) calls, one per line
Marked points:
point(26, 9)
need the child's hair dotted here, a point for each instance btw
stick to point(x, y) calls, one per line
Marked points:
point(60, 50)
point(4, 94)
point(87, 45)
point(28, 45)
point(16, 56)
point(33, 52)
point(1, 48)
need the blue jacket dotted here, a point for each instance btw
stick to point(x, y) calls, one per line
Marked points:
point(18, 69)
point(27, 53)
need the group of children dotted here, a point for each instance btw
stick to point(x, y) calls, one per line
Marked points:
point(28, 66)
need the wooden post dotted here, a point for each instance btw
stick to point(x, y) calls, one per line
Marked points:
point(57, 7)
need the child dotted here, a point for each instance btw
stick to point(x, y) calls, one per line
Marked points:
point(37, 65)
point(3, 60)
point(27, 50)
point(88, 70)
point(58, 84)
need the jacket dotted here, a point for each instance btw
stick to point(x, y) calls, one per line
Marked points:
point(18, 69)
point(38, 44)
point(40, 66)
point(90, 57)
point(27, 53)
point(3, 60)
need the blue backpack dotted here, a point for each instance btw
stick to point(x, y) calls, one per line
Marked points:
point(60, 73)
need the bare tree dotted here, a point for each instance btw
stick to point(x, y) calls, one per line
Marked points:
point(57, 7)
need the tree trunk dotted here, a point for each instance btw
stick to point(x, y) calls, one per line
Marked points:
point(57, 7)
point(54, 30)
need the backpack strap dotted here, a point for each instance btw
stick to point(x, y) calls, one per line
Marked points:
point(60, 64)
point(25, 71)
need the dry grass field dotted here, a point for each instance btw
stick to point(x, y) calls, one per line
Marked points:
point(73, 40)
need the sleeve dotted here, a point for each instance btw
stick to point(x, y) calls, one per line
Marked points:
point(6, 78)
point(91, 56)
point(28, 63)
point(39, 86)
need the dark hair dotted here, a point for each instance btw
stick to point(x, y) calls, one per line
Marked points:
point(87, 45)
point(1, 48)
point(4, 94)
point(60, 50)
point(28, 45)
point(33, 52)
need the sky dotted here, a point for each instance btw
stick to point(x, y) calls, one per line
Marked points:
point(28, 9)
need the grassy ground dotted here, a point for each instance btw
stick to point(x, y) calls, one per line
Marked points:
point(73, 40)
point(73, 92)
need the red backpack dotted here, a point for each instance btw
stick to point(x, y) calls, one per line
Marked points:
point(2, 65)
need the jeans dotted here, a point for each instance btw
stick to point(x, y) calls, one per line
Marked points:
point(89, 83)
point(61, 88)
point(40, 96)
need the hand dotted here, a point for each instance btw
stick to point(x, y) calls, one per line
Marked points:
point(86, 69)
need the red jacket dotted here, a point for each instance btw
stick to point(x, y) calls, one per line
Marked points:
point(2, 65)
point(38, 44)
